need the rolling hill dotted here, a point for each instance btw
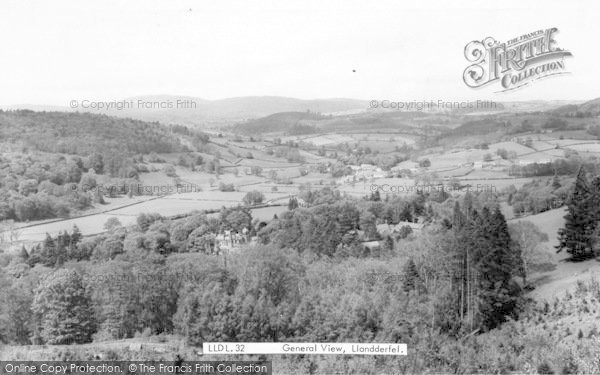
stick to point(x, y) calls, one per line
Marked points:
point(187, 110)
point(84, 133)
point(592, 106)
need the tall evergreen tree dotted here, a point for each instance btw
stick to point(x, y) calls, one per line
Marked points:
point(594, 205)
point(411, 278)
point(48, 255)
point(458, 218)
point(63, 309)
point(375, 196)
point(485, 260)
point(76, 236)
point(292, 203)
point(576, 236)
point(23, 254)
point(495, 268)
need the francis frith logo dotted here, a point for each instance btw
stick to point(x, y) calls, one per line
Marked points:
point(514, 63)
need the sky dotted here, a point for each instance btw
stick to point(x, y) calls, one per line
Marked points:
point(57, 51)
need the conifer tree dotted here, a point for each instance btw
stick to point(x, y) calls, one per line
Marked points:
point(485, 261)
point(63, 309)
point(576, 236)
point(411, 276)
point(594, 205)
point(23, 254)
point(495, 268)
point(48, 255)
point(388, 244)
point(375, 196)
point(76, 237)
point(292, 204)
point(458, 218)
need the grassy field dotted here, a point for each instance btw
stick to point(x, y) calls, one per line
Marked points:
point(166, 206)
point(566, 275)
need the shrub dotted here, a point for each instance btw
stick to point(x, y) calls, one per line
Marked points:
point(544, 368)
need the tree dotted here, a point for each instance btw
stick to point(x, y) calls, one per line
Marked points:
point(303, 171)
point(144, 220)
point(226, 187)
point(411, 278)
point(75, 239)
point(62, 309)
point(555, 182)
point(256, 170)
point(182, 161)
point(96, 162)
point(580, 221)
point(15, 311)
point(236, 219)
point(206, 312)
point(367, 225)
point(375, 196)
point(201, 240)
point(387, 245)
point(253, 198)
point(292, 203)
point(170, 170)
point(23, 254)
point(273, 175)
point(405, 231)
point(112, 223)
point(502, 153)
point(484, 259)
point(49, 254)
point(496, 261)
point(529, 238)
point(268, 293)
point(99, 197)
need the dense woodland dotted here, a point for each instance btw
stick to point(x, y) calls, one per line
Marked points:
point(85, 134)
point(52, 161)
point(307, 279)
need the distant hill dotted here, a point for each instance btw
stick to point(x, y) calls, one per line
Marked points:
point(292, 123)
point(478, 127)
point(565, 109)
point(186, 110)
point(538, 105)
point(298, 123)
point(578, 109)
point(592, 106)
point(85, 133)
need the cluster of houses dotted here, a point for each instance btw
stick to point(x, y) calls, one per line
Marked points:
point(228, 240)
point(363, 172)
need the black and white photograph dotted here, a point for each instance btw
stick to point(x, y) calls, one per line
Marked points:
point(295, 187)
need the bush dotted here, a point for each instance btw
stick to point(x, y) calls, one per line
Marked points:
point(170, 170)
point(502, 153)
point(112, 223)
point(544, 368)
point(226, 187)
point(254, 198)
